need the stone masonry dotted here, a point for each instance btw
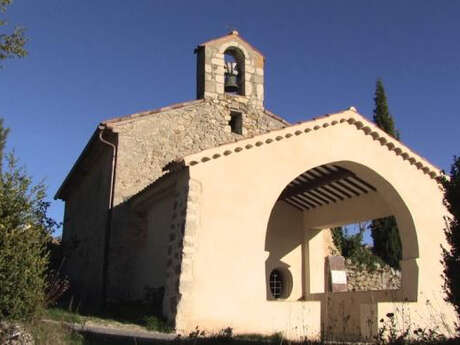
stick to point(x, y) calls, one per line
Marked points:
point(359, 278)
point(148, 141)
point(143, 223)
point(147, 145)
point(210, 67)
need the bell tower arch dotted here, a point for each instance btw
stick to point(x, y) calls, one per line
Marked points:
point(230, 66)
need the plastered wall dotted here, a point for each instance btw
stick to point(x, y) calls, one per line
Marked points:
point(284, 243)
point(252, 174)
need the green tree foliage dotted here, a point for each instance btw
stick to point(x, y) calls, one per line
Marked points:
point(387, 244)
point(338, 238)
point(451, 255)
point(3, 135)
point(11, 44)
point(352, 247)
point(382, 116)
point(24, 232)
point(385, 233)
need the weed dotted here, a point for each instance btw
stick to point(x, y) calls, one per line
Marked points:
point(196, 333)
point(53, 334)
point(428, 336)
point(388, 332)
point(58, 314)
point(154, 323)
point(226, 333)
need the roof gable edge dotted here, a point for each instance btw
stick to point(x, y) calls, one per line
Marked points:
point(231, 36)
point(349, 116)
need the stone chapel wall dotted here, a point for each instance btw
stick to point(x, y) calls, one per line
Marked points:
point(146, 145)
point(83, 235)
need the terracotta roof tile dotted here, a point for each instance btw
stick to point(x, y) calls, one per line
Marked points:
point(151, 112)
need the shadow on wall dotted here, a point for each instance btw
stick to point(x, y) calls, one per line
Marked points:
point(283, 243)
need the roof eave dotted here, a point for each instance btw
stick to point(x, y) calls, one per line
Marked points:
point(60, 191)
point(349, 115)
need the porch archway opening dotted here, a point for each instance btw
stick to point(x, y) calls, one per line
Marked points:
point(324, 197)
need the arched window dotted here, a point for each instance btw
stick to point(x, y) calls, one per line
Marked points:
point(234, 71)
point(276, 283)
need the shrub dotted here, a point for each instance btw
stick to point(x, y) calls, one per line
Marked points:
point(154, 323)
point(352, 247)
point(24, 232)
point(451, 255)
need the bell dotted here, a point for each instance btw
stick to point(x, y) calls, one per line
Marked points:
point(231, 83)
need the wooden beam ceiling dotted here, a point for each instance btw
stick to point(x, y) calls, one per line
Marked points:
point(324, 185)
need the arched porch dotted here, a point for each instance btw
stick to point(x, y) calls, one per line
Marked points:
point(319, 199)
point(224, 277)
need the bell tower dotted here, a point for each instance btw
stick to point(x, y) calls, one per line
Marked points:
point(230, 66)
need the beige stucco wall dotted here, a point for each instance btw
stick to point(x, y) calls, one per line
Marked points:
point(283, 244)
point(240, 184)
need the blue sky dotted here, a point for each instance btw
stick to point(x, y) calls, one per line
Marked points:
point(93, 60)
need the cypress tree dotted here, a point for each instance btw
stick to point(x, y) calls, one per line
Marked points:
point(387, 243)
point(384, 231)
point(382, 116)
point(451, 255)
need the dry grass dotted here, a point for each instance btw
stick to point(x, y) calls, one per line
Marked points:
point(53, 334)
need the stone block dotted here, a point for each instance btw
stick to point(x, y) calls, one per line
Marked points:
point(218, 62)
point(186, 283)
point(258, 79)
point(193, 197)
point(188, 240)
point(188, 251)
point(260, 91)
point(243, 100)
point(248, 88)
point(249, 69)
point(210, 86)
point(219, 70)
point(208, 94)
point(220, 88)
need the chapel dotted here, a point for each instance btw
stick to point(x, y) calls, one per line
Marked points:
point(218, 211)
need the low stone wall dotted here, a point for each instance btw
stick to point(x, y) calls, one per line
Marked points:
point(14, 334)
point(359, 278)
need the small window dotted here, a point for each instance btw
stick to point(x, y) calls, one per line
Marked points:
point(236, 122)
point(276, 284)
